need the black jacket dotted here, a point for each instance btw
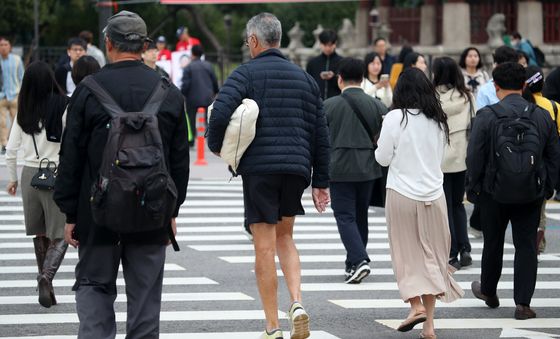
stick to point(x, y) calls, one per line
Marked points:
point(352, 151)
point(478, 150)
point(321, 63)
point(60, 75)
point(199, 84)
point(552, 85)
point(291, 134)
point(130, 83)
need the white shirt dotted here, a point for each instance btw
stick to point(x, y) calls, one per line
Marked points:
point(21, 140)
point(414, 152)
point(70, 86)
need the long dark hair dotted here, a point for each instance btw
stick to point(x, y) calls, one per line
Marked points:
point(38, 89)
point(447, 72)
point(410, 59)
point(415, 91)
point(405, 50)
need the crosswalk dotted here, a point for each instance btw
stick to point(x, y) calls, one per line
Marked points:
point(209, 290)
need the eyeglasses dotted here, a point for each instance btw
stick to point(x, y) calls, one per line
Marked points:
point(77, 49)
point(247, 39)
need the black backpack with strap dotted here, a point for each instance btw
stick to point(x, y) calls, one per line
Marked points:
point(515, 172)
point(134, 191)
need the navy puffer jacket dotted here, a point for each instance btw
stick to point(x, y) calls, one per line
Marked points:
point(292, 134)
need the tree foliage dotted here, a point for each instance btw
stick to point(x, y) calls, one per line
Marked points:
point(62, 19)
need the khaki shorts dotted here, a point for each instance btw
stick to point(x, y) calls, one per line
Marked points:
point(41, 214)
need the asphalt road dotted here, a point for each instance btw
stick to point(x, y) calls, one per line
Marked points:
point(210, 290)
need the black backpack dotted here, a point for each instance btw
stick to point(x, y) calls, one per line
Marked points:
point(516, 172)
point(134, 191)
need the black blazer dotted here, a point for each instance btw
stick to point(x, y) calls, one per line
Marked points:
point(60, 74)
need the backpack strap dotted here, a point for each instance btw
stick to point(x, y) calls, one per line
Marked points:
point(502, 112)
point(555, 109)
point(104, 98)
point(499, 110)
point(157, 97)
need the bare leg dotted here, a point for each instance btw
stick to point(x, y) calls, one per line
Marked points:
point(429, 301)
point(415, 306)
point(264, 241)
point(289, 257)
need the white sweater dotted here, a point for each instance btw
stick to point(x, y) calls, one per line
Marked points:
point(21, 140)
point(414, 152)
point(385, 94)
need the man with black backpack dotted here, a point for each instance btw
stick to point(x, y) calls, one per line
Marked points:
point(123, 174)
point(513, 159)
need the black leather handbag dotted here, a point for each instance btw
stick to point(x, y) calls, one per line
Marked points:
point(45, 177)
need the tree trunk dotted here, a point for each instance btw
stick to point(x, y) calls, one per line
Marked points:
point(201, 25)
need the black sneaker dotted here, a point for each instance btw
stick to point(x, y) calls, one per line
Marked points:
point(455, 263)
point(3, 150)
point(466, 259)
point(347, 272)
point(358, 273)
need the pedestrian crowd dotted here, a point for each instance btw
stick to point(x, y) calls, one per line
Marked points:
point(105, 147)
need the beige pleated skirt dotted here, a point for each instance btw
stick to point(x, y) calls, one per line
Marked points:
point(420, 243)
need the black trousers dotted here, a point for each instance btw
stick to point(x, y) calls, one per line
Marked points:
point(524, 223)
point(454, 188)
point(475, 221)
point(350, 203)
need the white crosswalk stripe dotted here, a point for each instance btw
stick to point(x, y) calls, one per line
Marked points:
point(207, 220)
point(210, 223)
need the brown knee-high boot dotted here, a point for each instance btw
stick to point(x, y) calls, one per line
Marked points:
point(55, 254)
point(41, 245)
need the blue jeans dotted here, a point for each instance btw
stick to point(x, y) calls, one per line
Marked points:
point(350, 203)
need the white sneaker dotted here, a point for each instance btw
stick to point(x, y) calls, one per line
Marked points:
point(299, 321)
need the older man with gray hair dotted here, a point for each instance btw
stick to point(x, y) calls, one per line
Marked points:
point(291, 140)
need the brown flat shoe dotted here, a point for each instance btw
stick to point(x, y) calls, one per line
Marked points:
point(409, 323)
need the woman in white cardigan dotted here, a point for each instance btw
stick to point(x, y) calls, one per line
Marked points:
point(40, 101)
point(412, 143)
point(459, 107)
point(376, 84)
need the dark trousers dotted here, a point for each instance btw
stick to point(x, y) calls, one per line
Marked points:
point(524, 223)
point(350, 203)
point(454, 188)
point(96, 290)
point(475, 221)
